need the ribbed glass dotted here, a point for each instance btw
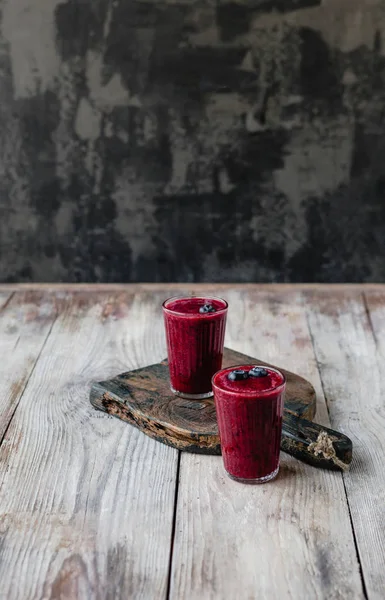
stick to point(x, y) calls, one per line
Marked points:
point(195, 350)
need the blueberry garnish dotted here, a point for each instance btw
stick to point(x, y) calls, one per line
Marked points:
point(258, 372)
point(207, 308)
point(238, 375)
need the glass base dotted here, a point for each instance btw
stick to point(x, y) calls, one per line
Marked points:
point(264, 479)
point(193, 396)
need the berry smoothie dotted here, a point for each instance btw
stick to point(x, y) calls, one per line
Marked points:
point(249, 403)
point(195, 331)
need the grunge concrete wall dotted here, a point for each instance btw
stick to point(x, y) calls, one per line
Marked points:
point(192, 140)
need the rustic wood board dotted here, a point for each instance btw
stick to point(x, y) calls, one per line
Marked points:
point(349, 340)
point(288, 539)
point(92, 508)
point(77, 491)
point(25, 322)
point(143, 398)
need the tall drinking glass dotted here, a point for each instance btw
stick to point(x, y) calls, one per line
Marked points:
point(249, 404)
point(195, 331)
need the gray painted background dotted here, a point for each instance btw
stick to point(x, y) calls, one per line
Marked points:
point(192, 141)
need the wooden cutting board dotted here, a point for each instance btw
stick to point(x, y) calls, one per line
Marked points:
point(143, 399)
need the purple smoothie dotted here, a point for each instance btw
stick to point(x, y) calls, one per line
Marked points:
point(195, 331)
point(249, 414)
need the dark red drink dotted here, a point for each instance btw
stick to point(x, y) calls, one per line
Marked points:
point(249, 404)
point(195, 331)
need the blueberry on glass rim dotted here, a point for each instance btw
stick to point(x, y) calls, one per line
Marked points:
point(207, 308)
point(238, 375)
point(258, 372)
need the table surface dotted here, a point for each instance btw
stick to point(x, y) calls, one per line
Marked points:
point(92, 508)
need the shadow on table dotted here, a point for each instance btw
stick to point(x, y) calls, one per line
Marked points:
point(286, 471)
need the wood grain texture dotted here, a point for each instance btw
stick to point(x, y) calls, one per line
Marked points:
point(195, 288)
point(143, 398)
point(86, 502)
point(25, 322)
point(5, 296)
point(288, 539)
point(353, 376)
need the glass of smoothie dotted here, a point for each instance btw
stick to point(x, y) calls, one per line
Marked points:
point(195, 331)
point(249, 404)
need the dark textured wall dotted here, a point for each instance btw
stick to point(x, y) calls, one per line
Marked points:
point(162, 140)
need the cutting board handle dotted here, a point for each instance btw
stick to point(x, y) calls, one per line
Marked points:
point(314, 444)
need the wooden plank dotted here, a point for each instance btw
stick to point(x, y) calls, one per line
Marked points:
point(290, 538)
point(4, 298)
point(25, 323)
point(186, 288)
point(353, 375)
point(86, 501)
point(374, 302)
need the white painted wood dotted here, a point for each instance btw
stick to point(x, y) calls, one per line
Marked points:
point(375, 305)
point(25, 323)
point(86, 501)
point(182, 288)
point(290, 538)
point(353, 375)
point(4, 297)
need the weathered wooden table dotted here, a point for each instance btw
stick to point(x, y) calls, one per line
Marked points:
point(92, 508)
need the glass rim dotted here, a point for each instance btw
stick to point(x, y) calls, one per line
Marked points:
point(255, 393)
point(194, 315)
